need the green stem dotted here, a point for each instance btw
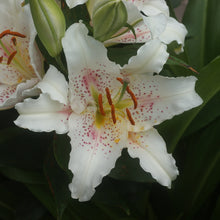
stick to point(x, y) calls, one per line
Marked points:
point(60, 63)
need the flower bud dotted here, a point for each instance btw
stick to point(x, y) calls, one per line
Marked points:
point(108, 17)
point(50, 24)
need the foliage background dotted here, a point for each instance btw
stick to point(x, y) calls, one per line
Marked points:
point(33, 166)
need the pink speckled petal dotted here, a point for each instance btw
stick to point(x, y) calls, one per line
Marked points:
point(27, 63)
point(74, 3)
point(94, 152)
point(160, 98)
point(150, 148)
point(88, 65)
point(142, 32)
point(10, 95)
point(150, 59)
point(43, 114)
point(55, 85)
point(151, 7)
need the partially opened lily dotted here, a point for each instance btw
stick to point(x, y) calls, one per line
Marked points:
point(156, 24)
point(21, 65)
point(105, 109)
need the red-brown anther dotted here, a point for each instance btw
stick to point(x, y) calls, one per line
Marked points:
point(132, 97)
point(113, 113)
point(101, 109)
point(108, 95)
point(1, 59)
point(14, 41)
point(120, 80)
point(10, 58)
point(130, 117)
point(8, 32)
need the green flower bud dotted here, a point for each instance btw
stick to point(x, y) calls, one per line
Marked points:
point(50, 24)
point(108, 17)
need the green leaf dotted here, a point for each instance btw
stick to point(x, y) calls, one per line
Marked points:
point(21, 148)
point(22, 175)
point(199, 178)
point(209, 113)
point(208, 86)
point(57, 179)
point(42, 193)
point(122, 54)
point(201, 19)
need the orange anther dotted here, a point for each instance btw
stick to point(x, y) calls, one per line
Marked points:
point(8, 32)
point(132, 96)
point(130, 117)
point(101, 109)
point(108, 96)
point(10, 58)
point(1, 59)
point(113, 113)
point(120, 80)
point(14, 41)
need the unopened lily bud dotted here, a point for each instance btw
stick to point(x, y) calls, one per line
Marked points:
point(108, 17)
point(50, 24)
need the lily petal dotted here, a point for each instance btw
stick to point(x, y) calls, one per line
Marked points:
point(150, 59)
point(150, 148)
point(94, 152)
point(12, 94)
point(160, 98)
point(174, 31)
point(74, 3)
point(43, 114)
point(55, 85)
point(151, 7)
point(88, 66)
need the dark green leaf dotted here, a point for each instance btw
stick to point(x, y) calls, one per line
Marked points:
point(201, 19)
point(57, 179)
point(22, 149)
point(22, 175)
point(127, 168)
point(200, 178)
point(43, 194)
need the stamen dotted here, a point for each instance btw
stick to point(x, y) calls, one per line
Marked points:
point(101, 109)
point(130, 117)
point(132, 97)
point(113, 113)
point(14, 41)
point(1, 59)
point(10, 58)
point(8, 32)
point(108, 96)
point(120, 80)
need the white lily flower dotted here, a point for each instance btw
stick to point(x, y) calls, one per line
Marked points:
point(104, 111)
point(21, 64)
point(74, 3)
point(157, 24)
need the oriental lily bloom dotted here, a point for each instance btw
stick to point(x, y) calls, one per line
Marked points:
point(157, 24)
point(104, 110)
point(21, 64)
